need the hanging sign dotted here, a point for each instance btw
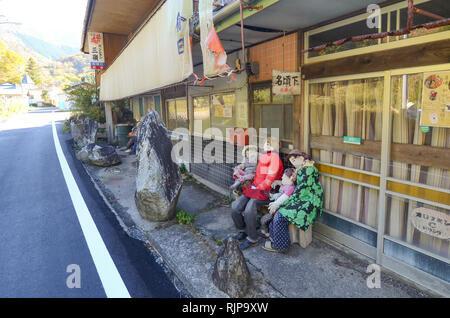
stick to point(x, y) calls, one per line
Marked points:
point(286, 83)
point(221, 109)
point(436, 100)
point(352, 140)
point(96, 52)
point(431, 222)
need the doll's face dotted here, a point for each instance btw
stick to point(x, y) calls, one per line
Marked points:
point(297, 161)
point(267, 146)
point(285, 180)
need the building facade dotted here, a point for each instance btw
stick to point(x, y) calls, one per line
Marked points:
point(384, 169)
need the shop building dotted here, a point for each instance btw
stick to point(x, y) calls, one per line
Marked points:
point(384, 170)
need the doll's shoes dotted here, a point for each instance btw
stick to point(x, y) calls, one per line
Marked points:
point(247, 244)
point(241, 236)
point(268, 247)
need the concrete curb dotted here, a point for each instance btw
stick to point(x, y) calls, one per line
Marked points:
point(135, 232)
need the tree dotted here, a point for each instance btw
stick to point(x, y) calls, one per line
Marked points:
point(85, 100)
point(34, 71)
point(12, 66)
point(45, 96)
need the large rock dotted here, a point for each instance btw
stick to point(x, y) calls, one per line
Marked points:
point(83, 130)
point(158, 181)
point(231, 274)
point(99, 155)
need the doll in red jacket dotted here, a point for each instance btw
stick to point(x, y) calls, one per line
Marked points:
point(245, 209)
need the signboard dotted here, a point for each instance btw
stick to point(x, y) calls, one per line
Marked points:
point(432, 222)
point(436, 100)
point(96, 52)
point(352, 140)
point(286, 83)
point(221, 109)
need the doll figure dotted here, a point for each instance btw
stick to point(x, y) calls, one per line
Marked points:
point(301, 208)
point(245, 209)
point(286, 189)
point(245, 172)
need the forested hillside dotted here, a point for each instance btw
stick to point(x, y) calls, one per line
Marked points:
point(20, 53)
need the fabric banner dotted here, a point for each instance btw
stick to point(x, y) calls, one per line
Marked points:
point(214, 56)
point(159, 55)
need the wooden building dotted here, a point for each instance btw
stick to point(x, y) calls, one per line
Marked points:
point(385, 174)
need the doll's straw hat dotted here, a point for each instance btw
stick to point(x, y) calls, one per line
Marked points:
point(296, 153)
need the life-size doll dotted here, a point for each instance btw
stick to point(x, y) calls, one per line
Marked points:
point(301, 208)
point(285, 190)
point(244, 173)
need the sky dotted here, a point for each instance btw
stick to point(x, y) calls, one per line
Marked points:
point(57, 21)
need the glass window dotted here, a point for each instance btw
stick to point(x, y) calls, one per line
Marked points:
point(261, 95)
point(182, 113)
point(141, 107)
point(418, 224)
point(347, 108)
point(223, 111)
point(272, 111)
point(172, 115)
point(177, 114)
point(439, 7)
point(201, 113)
point(406, 103)
point(272, 117)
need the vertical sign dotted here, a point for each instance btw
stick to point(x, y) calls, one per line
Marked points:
point(286, 83)
point(96, 51)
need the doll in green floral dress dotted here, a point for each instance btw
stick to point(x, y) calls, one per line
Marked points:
point(302, 207)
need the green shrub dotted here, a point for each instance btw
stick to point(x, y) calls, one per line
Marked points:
point(183, 169)
point(66, 126)
point(185, 218)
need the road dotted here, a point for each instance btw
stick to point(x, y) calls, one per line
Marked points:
point(46, 244)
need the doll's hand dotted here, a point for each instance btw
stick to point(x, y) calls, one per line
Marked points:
point(276, 183)
point(273, 207)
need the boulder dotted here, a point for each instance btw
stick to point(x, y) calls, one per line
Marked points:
point(231, 274)
point(99, 155)
point(158, 180)
point(83, 130)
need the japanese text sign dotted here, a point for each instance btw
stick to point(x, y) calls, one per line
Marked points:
point(96, 52)
point(286, 83)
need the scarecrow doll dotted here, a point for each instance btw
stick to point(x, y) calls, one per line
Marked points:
point(301, 208)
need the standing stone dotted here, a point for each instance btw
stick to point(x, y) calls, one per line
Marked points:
point(231, 274)
point(99, 155)
point(83, 129)
point(158, 181)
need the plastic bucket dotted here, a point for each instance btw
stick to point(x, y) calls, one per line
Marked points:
point(122, 132)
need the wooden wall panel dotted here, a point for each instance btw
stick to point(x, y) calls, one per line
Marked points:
point(417, 55)
point(437, 157)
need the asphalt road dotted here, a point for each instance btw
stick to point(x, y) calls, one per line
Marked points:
point(40, 233)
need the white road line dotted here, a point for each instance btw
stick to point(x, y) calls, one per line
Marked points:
point(109, 275)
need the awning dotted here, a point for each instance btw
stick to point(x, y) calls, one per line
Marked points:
point(159, 55)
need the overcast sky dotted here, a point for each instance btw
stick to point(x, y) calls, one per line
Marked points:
point(56, 21)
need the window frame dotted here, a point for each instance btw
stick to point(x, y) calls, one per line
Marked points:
point(271, 103)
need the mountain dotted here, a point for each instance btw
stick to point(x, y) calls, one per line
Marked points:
point(46, 49)
point(59, 65)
